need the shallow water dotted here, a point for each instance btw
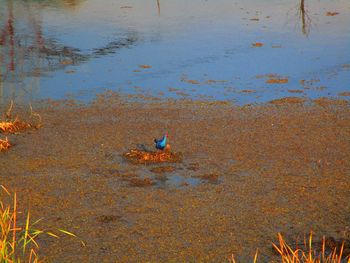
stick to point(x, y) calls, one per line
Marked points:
point(195, 49)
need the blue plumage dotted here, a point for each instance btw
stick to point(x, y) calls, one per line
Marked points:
point(161, 144)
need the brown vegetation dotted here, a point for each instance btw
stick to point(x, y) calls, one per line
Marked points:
point(10, 125)
point(140, 182)
point(4, 145)
point(163, 169)
point(308, 253)
point(332, 13)
point(287, 100)
point(143, 157)
point(277, 81)
point(326, 251)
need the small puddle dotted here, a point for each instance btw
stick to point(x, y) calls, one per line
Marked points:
point(169, 177)
point(165, 170)
point(177, 181)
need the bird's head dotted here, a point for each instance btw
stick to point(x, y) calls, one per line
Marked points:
point(166, 135)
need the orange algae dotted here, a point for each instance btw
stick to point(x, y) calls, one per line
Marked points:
point(277, 81)
point(145, 66)
point(257, 44)
point(144, 157)
point(287, 100)
point(191, 81)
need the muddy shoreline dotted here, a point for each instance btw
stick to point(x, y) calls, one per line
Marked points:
point(247, 173)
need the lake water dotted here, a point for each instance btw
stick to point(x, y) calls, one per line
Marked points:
point(222, 50)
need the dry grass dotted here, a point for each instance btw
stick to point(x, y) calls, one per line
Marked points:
point(14, 126)
point(309, 253)
point(18, 241)
point(4, 145)
point(10, 125)
point(144, 157)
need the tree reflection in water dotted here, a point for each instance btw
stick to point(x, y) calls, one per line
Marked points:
point(305, 18)
point(26, 53)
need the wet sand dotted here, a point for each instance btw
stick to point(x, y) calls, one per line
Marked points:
point(247, 173)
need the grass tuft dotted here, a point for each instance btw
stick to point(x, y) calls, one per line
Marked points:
point(309, 253)
point(10, 125)
point(18, 242)
point(144, 157)
point(4, 145)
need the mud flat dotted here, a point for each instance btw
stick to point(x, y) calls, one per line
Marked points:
point(246, 173)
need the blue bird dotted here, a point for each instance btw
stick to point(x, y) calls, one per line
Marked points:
point(161, 144)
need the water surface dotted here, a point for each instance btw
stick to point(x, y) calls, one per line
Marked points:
point(195, 49)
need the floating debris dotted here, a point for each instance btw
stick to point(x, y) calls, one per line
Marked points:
point(248, 91)
point(144, 157)
point(257, 44)
point(213, 81)
point(184, 78)
point(191, 81)
point(4, 145)
point(345, 93)
point(274, 78)
point(66, 62)
point(332, 13)
point(145, 66)
point(295, 91)
point(277, 81)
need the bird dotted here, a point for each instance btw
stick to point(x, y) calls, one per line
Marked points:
point(162, 143)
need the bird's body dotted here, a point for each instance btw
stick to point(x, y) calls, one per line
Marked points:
point(162, 143)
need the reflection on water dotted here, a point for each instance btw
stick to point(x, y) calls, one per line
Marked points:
point(198, 49)
point(158, 6)
point(26, 54)
point(305, 18)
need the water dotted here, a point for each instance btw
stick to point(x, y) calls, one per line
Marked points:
point(195, 49)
